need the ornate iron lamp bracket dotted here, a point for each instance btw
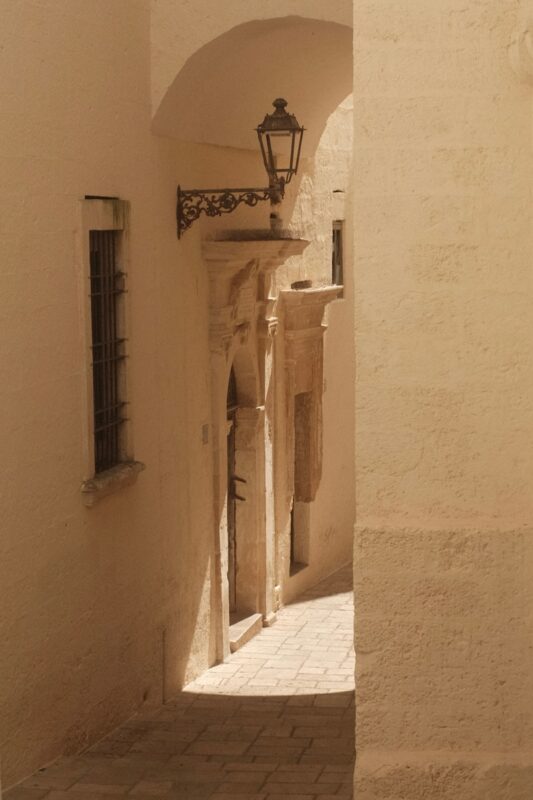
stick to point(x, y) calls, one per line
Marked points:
point(192, 203)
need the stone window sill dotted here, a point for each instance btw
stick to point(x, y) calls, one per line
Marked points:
point(110, 481)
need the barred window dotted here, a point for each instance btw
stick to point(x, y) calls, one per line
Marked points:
point(108, 348)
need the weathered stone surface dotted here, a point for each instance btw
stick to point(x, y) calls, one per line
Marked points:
point(444, 544)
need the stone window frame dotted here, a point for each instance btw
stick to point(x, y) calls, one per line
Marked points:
point(103, 214)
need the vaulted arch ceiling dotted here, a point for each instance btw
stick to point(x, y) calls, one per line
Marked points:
point(224, 90)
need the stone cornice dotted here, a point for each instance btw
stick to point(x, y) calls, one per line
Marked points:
point(317, 294)
point(270, 253)
point(303, 309)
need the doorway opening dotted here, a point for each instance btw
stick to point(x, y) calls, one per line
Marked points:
point(245, 494)
point(299, 536)
point(233, 496)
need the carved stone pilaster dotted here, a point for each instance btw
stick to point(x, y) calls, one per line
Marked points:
point(267, 327)
point(303, 312)
point(272, 326)
point(236, 274)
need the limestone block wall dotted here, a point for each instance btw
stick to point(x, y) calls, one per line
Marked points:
point(444, 536)
point(322, 194)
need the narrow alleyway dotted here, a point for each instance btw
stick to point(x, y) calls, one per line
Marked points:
point(274, 722)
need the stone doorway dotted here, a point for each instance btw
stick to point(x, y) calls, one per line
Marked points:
point(245, 397)
point(233, 496)
point(245, 485)
point(231, 511)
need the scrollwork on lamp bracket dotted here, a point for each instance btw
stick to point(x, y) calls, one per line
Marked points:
point(281, 163)
point(521, 51)
point(192, 203)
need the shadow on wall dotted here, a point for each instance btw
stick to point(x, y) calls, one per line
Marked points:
point(189, 636)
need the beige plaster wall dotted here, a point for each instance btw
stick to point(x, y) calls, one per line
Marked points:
point(315, 86)
point(443, 558)
point(90, 621)
point(106, 608)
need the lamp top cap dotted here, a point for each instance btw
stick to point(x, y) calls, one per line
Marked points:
point(280, 120)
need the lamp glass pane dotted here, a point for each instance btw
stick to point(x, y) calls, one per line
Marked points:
point(284, 148)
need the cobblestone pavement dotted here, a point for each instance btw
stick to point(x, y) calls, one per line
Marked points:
point(275, 722)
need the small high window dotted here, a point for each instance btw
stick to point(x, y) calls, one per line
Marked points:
point(108, 348)
point(337, 274)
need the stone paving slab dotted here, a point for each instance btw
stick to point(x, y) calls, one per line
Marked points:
point(275, 722)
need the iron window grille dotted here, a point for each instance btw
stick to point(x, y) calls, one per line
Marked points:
point(337, 271)
point(108, 348)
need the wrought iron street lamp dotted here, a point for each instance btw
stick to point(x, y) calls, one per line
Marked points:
point(280, 139)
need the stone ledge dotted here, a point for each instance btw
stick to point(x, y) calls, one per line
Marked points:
point(110, 481)
point(241, 631)
point(231, 253)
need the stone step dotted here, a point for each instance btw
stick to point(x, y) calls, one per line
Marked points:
point(241, 630)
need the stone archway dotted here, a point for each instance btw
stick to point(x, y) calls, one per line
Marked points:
point(203, 107)
point(211, 96)
point(238, 421)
